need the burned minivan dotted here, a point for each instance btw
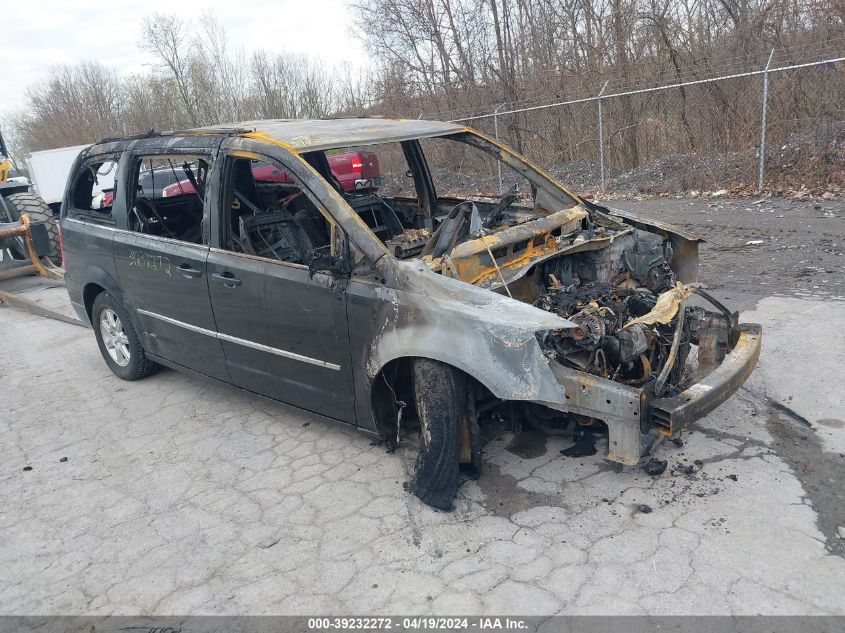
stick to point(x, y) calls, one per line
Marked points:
point(393, 274)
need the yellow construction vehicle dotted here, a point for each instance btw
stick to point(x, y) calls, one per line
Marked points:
point(17, 199)
point(5, 163)
point(29, 240)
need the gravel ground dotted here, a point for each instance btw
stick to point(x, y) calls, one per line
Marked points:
point(811, 159)
point(801, 249)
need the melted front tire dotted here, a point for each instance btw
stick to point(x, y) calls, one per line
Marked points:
point(440, 396)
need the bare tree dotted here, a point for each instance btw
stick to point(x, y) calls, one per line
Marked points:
point(166, 38)
point(75, 104)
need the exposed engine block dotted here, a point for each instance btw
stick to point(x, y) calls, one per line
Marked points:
point(603, 294)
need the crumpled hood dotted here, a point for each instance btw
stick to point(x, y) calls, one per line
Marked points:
point(451, 295)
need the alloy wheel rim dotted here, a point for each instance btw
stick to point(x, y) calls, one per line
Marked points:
point(114, 337)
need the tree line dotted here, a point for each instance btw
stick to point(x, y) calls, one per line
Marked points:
point(196, 79)
point(454, 58)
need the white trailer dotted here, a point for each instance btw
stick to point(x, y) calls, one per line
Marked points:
point(49, 170)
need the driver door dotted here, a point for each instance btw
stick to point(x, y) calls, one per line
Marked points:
point(283, 330)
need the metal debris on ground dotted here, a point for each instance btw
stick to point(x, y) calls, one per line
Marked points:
point(655, 467)
point(584, 446)
point(683, 469)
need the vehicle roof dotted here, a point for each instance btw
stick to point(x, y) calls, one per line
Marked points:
point(305, 135)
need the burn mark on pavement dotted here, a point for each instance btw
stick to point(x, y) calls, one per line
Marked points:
point(529, 444)
point(819, 471)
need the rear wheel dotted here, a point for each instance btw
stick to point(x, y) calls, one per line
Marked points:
point(38, 211)
point(440, 395)
point(119, 344)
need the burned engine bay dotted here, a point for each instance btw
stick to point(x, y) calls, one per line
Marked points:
point(634, 328)
point(614, 280)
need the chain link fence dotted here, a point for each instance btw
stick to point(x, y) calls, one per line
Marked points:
point(780, 126)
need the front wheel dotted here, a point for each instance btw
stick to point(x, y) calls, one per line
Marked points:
point(440, 395)
point(119, 344)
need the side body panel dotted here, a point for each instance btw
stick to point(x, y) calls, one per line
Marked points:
point(88, 259)
point(283, 333)
point(283, 330)
point(367, 314)
point(419, 313)
point(164, 283)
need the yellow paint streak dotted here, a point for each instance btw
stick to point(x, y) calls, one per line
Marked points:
point(263, 136)
point(249, 155)
point(666, 307)
point(472, 270)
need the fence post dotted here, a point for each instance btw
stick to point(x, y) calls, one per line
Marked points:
point(601, 137)
point(763, 124)
point(496, 134)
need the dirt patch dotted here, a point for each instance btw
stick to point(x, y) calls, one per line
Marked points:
point(582, 176)
point(528, 444)
point(679, 173)
point(504, 496)
point(811, 160)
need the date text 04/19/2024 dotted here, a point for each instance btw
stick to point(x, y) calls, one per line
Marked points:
point(425, 623)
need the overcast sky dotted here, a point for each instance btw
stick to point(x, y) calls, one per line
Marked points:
point(36, 34)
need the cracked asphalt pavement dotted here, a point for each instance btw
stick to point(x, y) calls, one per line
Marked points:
point(181, 496)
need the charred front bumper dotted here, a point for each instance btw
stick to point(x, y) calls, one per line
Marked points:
point(670, 415)
point(635, 419)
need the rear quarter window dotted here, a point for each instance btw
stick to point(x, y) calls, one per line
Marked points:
point(92, 191)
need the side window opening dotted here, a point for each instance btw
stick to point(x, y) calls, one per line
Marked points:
point(376, 181)
point(466, 168)
point(268, 214)
point(92, 193)
point(476, 191)
point(167, 196)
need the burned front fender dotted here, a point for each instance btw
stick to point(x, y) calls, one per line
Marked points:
point(488, 336)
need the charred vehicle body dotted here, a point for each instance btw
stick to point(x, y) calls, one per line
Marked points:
point(408, 301)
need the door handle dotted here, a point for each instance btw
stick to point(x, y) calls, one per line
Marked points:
point(227, 279)
point(188, 272)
